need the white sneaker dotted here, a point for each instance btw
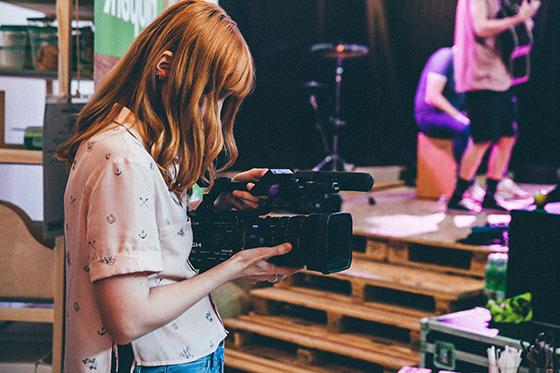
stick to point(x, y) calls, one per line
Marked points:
point(475, 192)
point(508, 189)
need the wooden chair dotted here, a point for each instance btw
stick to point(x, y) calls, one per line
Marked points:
point(31, 272)
point(437, 168)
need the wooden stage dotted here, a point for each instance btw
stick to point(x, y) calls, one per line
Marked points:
point(407, 264)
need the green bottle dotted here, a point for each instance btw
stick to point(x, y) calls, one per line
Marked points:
point(495, 276)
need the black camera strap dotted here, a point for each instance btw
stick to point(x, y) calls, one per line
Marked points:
point(122, 358)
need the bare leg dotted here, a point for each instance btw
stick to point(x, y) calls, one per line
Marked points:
point(499, 158)
point(471, 159)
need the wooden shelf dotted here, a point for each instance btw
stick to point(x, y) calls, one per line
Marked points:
point(29, 74)
point(21, 156)
point(49, 7)
point(45, 315)
point(49, 75)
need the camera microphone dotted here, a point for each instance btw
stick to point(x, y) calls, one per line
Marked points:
point(351, 181)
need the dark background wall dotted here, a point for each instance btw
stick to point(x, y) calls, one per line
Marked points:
point(275, 126)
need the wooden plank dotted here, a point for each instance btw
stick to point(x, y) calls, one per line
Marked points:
point(335, 304)
point(255, 364)
point(27, 314)
point(27, 268)
point(2, 118)
point(21, 156)
point(307, 356)
point(64, 18)
point(413, 280)
point(59, 290)
point(308, 334)
point(263, 359)
point(437, 258)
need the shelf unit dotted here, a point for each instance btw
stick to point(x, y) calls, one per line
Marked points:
point(21, 156)
point(63, 11)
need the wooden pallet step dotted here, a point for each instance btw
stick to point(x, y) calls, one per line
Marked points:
point(438, 256)
point(312, 335)
point(411, 287)
point(264, 359)
point(340, 312)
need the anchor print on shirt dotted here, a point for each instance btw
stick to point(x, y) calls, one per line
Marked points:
point(181, 232)
point(90, 145)
point(72, 200)
point(111, 219)
point(174, 326)
point(91, 364)
point(209, 317)
point(143, 235)
point(76, 307)
point(102, 331)
point(86, 268)
point(186, 353)
point(143, 201)
point(91, 245)
point(109, 260)
point(108, 156)
point(118, 172)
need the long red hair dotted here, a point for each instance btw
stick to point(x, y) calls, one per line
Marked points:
point(211, 60)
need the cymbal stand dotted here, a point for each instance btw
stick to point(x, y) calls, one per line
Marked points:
point(336, 161)
point(318, 125)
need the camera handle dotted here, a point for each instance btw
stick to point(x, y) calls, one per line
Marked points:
point(221, 185)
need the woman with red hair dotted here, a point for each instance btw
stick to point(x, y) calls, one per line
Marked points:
point(155, 127)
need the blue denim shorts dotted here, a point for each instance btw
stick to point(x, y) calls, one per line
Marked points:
point(213, 363)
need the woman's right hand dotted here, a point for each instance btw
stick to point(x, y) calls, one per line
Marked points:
point(252, 264)
point(528, 9)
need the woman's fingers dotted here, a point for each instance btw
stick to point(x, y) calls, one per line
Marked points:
point(265, 253)
point(266, 278)
point(252, 175)
point(284, 271)
point(246, 196)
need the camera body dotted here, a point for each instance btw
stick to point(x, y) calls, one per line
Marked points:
point(320, 241)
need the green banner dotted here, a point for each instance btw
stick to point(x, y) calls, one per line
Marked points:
point(118, 22)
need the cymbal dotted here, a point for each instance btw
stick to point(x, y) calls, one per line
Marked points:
point(339, 50)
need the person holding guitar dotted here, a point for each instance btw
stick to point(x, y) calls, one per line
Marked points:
point(481, 73)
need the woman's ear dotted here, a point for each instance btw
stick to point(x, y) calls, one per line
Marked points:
point(163, 65)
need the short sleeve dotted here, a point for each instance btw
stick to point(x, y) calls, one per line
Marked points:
point(122, 234)
point(442, 63)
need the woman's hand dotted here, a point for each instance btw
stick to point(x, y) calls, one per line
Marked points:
point(239, 199)
point(252, 264)
point(528, 10)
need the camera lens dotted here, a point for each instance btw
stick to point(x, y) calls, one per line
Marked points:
point(321, 242)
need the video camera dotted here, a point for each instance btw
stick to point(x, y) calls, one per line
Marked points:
point(320, 241)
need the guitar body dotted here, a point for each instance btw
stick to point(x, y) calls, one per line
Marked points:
point(515, 45)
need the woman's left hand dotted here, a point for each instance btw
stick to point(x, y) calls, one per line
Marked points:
point(239, 199)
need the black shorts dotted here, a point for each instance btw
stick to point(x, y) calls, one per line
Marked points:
point(491, 114)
